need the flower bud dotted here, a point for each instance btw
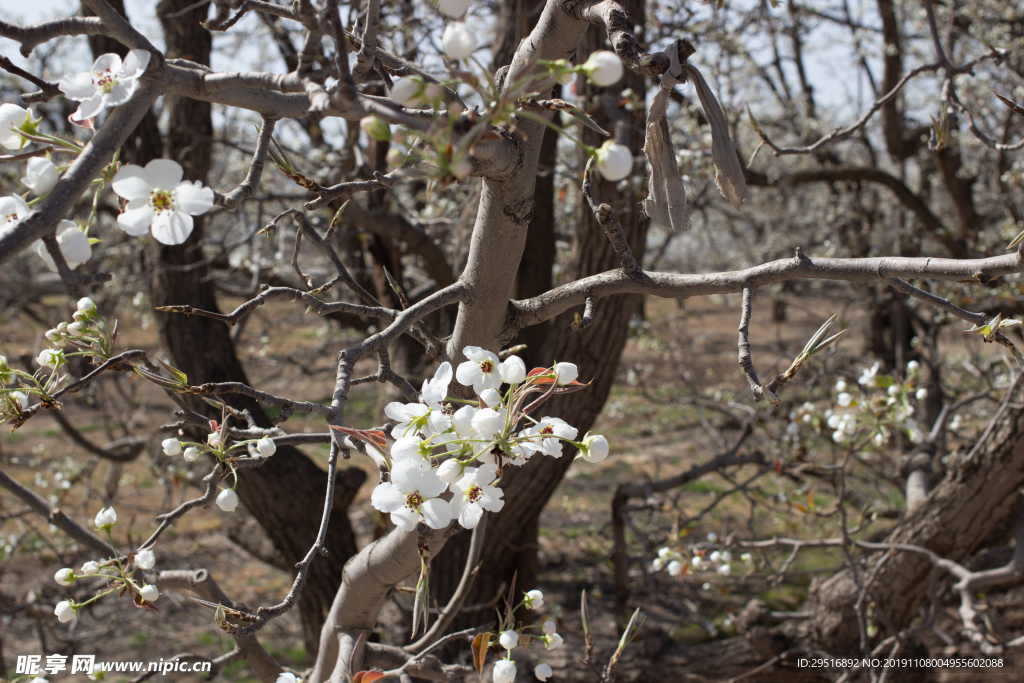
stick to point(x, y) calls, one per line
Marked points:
point(407, 91)
point(145, 559)
point(65, 577)
point(512, 370)
point(227, 500)
point(549, 627)
point(65, 612)
point(106, 518)
point(86, 305)
point(534, 599)
point(490, 397)
point(41, 175)
point(508, 639)
point(450, 471)
point(458, 41)
point(454, 8)
point(191, 454)
point(266, 447)
point(567, 373)
point(21, 398)
point(504, 671)
point(75, 329)
point(91, 568)
point(542, 671)
point(604, 68)
point(725, 570)
point(149, 593)
point(171, 446)
point(53, 335)
point(376, 127)
point(614, 161)
point(595, 448)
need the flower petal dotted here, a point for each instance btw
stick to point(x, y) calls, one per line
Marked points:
point(135, 64)
point(120, 93)
point(468, 373)
point(431, 484)
point(136, 222)
point(172, 227)
point(387, 497)
point(193, 198)
point(470, 516)
point(45, 255)
point(164, 174)
point(109, 62)
point(131, 183)
point(405, 518)
point(90, 107)
point(78, 87)
point(436, 513)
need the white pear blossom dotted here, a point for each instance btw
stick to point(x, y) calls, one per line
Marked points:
point(715, 556)
point(13, 119)
point(407, 415)
point(726, 556)
point(549, 627)
point(696, 561)
point(614, 161)
point(473, 494)
point(893, 390)
point(458, 41)
point(454, 8)
point(504, 671)
point(868, 377)
point(145, 559)
point(450, 471)
point(159, 199)
point(73, 243)
point(41, 175)
point(712, 537)
point(595, 448)
point(21, 397)
point(86, 305)
point(65, 612)
point(48, 358)
point(675, 569)
point(553, 642)
point(534, 599)
point(227, 500)
point(171, 446)
point(407, 92)
point(106, 518)
point(435, 390)
point(76, 329)
point(546, 436)
point(844, 399)
point(191, 454)
point(109, 83)
point(411, 495)
point(149, 593)
point(841, 385)
point(542, 671)
point(266, 447)
point(480, 371)
point(567, 373)
point(509, 639)
point(725, 570)
point(747, 557)
point(462, 420)
point(91, 568)
point(12, 210)
point(65, 577)
point(921, 394)
point(487, 422)
point(604, 68)
point(913, 366)
point(512, 370)
point(410, 447)
point(490, 398)
point(288, 677)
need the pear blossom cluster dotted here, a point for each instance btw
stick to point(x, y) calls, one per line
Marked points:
point(441, 447)
point(870, 411)
point(707, 558)
point(88, 334)
point(110, 575)
point(512, 636)
point(218, 447)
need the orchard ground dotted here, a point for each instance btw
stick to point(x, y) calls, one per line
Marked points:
point(679, 398)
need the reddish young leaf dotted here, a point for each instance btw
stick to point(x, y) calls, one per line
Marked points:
point(480, 645)
point(368, 676)
point(374, 437)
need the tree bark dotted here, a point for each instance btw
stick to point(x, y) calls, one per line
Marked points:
point(286, 494)
point(971, 503)
point(511, 546)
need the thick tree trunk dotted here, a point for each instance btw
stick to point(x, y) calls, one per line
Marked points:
point(966, 508)
point(285, 495)
point(511, 546)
